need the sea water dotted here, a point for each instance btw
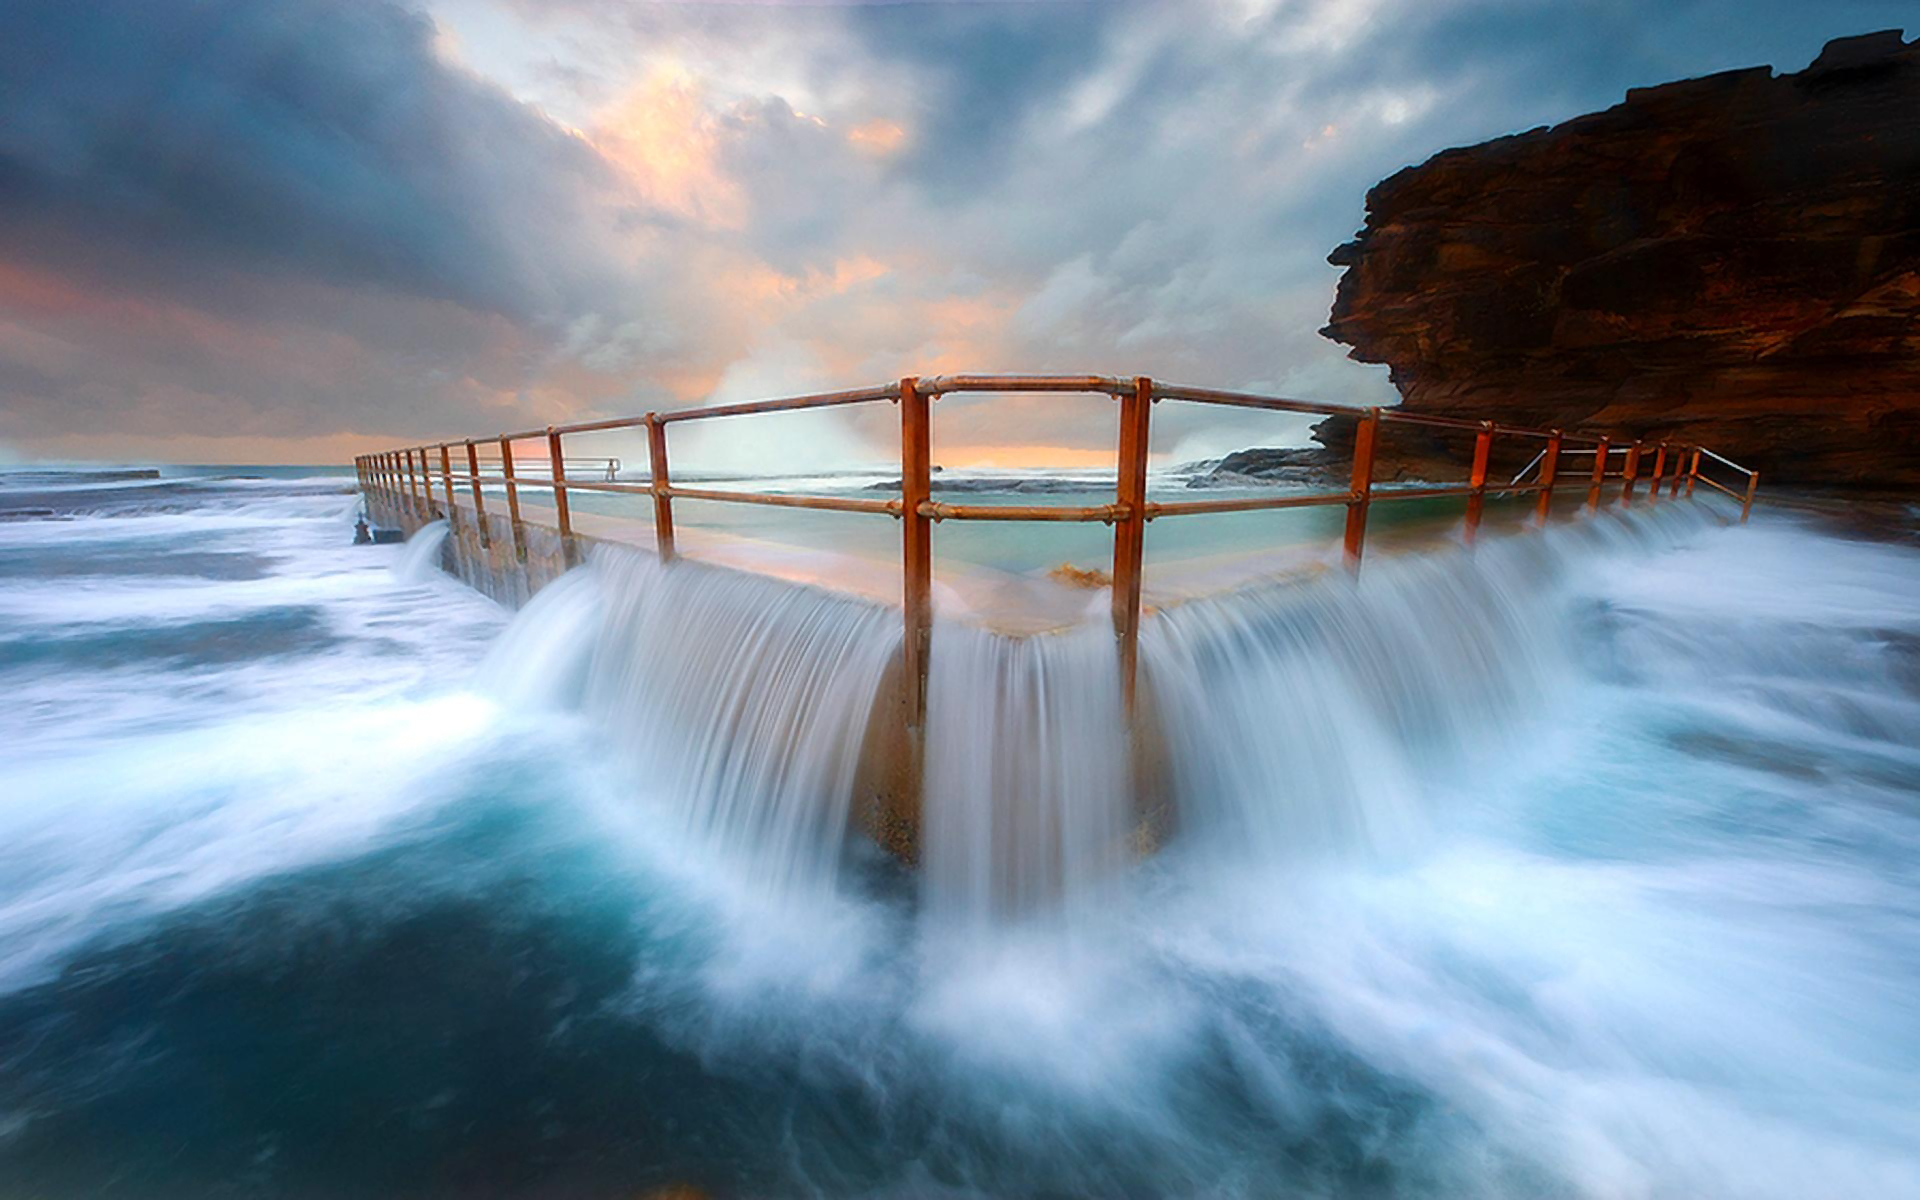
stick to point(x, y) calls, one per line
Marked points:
point(1582, 865)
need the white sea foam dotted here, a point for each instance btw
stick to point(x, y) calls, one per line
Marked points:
point(1582, 865)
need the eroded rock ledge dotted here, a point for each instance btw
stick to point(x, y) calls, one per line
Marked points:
point(1733, 260)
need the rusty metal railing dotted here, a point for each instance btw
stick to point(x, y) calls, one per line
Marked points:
point(408, 475)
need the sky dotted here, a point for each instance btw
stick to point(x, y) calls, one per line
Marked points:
point(295, 230)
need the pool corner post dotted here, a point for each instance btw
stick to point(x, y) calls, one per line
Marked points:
point(1364, 438)
point(479, 505)
point(1549, 472)
point(563, 513)
point(916, 541)
point(1130, 528)
point(513, 500)
point(661, 485)
point(1477, 481)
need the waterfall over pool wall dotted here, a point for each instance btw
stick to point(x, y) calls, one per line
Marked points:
point(1312, 718)
point(1027, 798)
point(421, 561)
point(738, 703)
point(1278, 721)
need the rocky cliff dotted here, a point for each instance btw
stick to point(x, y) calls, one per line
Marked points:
point(1733, 260)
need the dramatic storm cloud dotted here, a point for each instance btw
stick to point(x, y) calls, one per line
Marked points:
point(244, 229)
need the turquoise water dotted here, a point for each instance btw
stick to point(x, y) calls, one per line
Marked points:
point(1583, 866)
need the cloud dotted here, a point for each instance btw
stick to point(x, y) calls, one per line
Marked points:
point(329, 220)
point(312, 139)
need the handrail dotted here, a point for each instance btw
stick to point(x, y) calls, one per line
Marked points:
point(406, 476)
point(941, 385)
point(1725, 461)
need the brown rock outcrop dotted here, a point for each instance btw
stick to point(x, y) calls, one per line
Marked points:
point(1732, 261)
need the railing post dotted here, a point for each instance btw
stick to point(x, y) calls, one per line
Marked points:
point(1130, 530)
point(916, 542)
point(1746, 505)
point(1659, 469)
point(1629, 473)
point(1679, 472)
point(1477, 498)
point(1600, 453)
point(1363, 444)
point(446, 480)
point(1549, 472)
point(513, 501)
point(662, 485)
point(1693, 472)
point(479, 505)
point(563, 512)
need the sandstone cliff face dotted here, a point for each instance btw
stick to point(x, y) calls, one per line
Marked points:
point(1732, 261)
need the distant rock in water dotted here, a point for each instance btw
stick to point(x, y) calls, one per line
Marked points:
point(1732, 261)
point(1268, 465)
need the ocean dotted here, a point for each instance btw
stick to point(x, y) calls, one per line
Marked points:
point(1584, 865)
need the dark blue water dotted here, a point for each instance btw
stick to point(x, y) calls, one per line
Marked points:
point(290, 907)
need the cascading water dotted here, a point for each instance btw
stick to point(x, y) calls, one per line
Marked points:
point(1027, 796)
point(739, 703)
point(1295, 718)
point(1309, 717)
point(541, 661)
point(421, 561)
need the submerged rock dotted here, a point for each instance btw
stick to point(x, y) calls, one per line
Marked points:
point(1733, 261)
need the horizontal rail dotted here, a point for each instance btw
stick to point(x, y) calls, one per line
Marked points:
point(1388, 414)
point(889, 508)
point(789, 404)
point(576, 485)
point(941, 385)
point(1181, 508)
point(1105, 513)
point(745, 408)
point(1250, 400)
point(494, 460)
point(1726, 461)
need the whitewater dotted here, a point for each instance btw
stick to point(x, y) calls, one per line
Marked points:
point(1581, 865)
